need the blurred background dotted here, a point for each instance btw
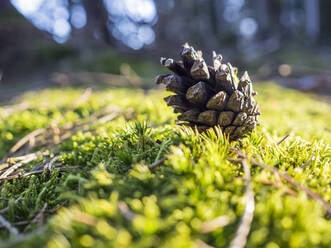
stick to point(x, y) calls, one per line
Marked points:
point(119, 42)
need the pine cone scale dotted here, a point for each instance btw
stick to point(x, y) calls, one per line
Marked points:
point(208, 117)
point(197, 94)
point(218, 101)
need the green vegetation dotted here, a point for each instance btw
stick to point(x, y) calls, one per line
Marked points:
point(97, 188)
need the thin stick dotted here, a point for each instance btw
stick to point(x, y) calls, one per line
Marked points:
point(28, 155)
point(242, 232)
point(37, 217)
point(4, 210)
point(211, 225)
point(36, 172)
point(82, 99)
point(201, 244)
point(125, 211)
point(283, 139)
point(8, 226)
point(277, 185)
point(50, 164)
point(19, 223)
point(106, 118)
point(287, 178)
point(20, 237)
point(14, 108)
point(11, 169)
point(297, 185)
point(24, 158)
point(157, 163)
point(26, 138)
point(45, 133)
point(308, 162)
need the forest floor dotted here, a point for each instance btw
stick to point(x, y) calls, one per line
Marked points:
point(109, 168)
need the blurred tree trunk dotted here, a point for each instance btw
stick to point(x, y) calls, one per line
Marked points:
point(325, 33)
point(17, 35)
point(97, 21)
point(263, 16)
point(312, 10)
point(274, 10)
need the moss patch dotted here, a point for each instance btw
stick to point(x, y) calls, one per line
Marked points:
point(100, 192)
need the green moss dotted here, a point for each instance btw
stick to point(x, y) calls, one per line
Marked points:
point(167, 205)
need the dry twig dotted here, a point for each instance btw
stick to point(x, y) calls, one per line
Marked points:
point(288, 179)
point(41, 134)
point(240, 238)
point(8, 225)
point(4, 210)
point(18, 223)
point(16, 176)
point(308, 162)
point(28, 158)
point(211, 225)
point(38, 217)
point(49, 165)
point(125, 211)
point(277, 185)
point(201, 244)
point(295, 184)
point(26, 139)
point(283, 139)
point(157, 163)
point(20, 237)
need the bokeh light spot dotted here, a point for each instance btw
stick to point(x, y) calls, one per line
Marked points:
point(248, 27)
point(78, 16)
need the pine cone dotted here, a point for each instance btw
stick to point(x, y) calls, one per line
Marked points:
point(207, 96)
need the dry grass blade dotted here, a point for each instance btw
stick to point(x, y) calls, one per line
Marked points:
point(157, 163)
point(19, 223)
point(31, 137)
point(295, 184)
point(3, 166)
point(26, 139)
point(125, 211)
point(23, 157)
point(46, 138)
point(106, 118)
point(4, 210)
point(16, 176)
point(82, 99)
point(49, 165)
point(201, 244)
point(105, 111)
point(14, 108)
point(242, 232)
point(287, 178)
point(20, 238)
point(277, 185)
point(283, 139)
point(27, 159)
point(308, 162)
point(8, 225)
point(38, 217)
point(210, 226)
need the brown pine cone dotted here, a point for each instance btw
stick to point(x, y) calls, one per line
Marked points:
point(207, 96)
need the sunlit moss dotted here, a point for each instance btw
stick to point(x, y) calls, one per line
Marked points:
point(167, 205)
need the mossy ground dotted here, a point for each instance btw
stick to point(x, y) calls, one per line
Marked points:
point(106, 196)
